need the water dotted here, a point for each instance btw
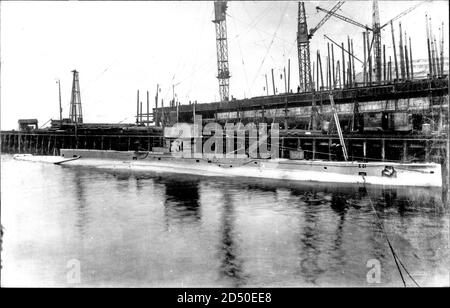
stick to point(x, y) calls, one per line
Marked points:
point(126, 229)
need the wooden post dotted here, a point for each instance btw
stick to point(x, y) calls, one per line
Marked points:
point(343, 65)
point(273, 83)
point(365, 60)
point(395, 53)
point(321, 71)
point(317, 69)
point(137, 108)
point(407, 62)
point(267, 86)
point(329, 149)
point(353, 64)
point(405, 150)
point(48, 144)
point(365, 150)
point(148, 110)
point(314, 149)
point(329, 81)
point(332, 62)
point(402, 62)
point(369, 57)
point(350, 81)
point(411, 60)
point(289, 76)
point(427, 151)
point(384, 63)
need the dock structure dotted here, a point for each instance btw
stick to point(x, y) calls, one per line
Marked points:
point(390, 111)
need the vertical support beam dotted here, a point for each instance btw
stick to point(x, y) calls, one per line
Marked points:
point(369, 73)
point(395, 53)
point(321, 70)
point(273, 83)
point(332, 62)
point(402, 56)
point(350, 81)
point(353, 64)
point(329, 149)
point(267, 86)
point(407, 63)
point(343, 64)
point(427, 151)
point(314, 148)
point(365, 60)
point(289, 76)
point(137, 108)
point(384, 63)
point(430, 66)
point(411, 67)
point(148, 110)
point(383, 149)
point(405, 150)
point(318, 86)
point(329, 81)
point(365, 150)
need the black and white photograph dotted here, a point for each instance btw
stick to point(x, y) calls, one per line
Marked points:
point(224, 145)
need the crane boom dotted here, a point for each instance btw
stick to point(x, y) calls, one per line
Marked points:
point(336, 7)
point(346, 19)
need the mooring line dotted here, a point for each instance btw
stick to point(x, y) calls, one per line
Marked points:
point(394, 254)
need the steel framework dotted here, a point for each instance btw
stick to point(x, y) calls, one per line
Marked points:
point(223, 72)
point(76, 114)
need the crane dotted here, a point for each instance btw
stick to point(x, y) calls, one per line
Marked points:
point(223, 72)
point(76, 114)
point(303, 38)
point(376, 30)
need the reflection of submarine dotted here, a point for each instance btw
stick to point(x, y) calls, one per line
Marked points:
point(182, 200)
point(231, 263)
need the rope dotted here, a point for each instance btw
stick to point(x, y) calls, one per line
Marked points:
point(270, 45)
point(394, 254)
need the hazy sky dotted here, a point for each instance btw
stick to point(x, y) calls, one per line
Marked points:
point(119, 47)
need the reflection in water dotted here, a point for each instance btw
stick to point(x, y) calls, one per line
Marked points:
point(181, 200)
point(81, 207)
point(152, 230)
point(230, 263)
point(339, 206)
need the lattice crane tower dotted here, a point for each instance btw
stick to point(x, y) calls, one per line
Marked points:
point(76, 114)
point(223, 72)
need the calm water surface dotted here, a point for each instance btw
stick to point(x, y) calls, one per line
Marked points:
point(140, 229)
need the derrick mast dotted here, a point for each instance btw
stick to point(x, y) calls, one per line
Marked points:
point(304, 63)
point(76, 114)
point(223, 73)
point(376, 39)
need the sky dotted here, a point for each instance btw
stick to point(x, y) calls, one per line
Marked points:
point(121, 47)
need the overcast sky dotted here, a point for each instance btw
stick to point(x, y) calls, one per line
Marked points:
point(119, 47)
